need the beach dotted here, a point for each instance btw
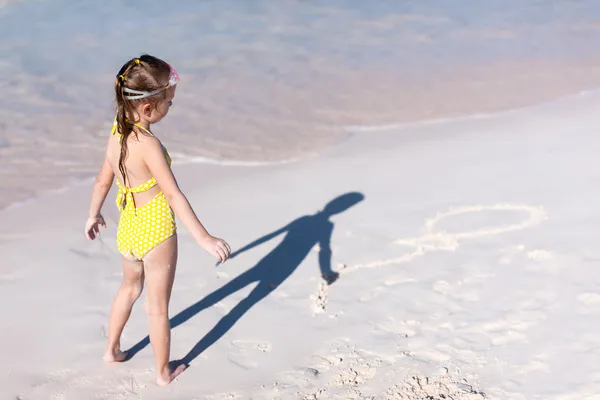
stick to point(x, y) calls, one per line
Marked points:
point(465, 248)
point(442, 161)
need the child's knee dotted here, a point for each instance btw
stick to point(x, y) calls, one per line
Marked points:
point(133, 290)
point(156, 308)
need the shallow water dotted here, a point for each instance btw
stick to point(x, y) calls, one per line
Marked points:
point(266, 80)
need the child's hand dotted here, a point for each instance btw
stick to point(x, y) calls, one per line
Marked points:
point(92, 226)
point(217, 247)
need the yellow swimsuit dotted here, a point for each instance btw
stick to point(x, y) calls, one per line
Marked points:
point(143, 228)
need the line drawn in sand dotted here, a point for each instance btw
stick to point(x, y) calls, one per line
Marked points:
point(434, 239)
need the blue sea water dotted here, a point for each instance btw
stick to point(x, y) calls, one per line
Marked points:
point(263, 79)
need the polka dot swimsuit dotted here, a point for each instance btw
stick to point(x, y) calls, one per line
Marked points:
point(143, 228)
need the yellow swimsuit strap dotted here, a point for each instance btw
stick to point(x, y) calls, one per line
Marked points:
point(125, 194)
point(115, 126)
point(114, 130)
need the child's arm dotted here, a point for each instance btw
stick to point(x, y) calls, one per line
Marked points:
point(102, 185)
point(157, 163)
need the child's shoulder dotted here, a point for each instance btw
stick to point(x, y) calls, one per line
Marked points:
point(152, 147)
point(148, 140)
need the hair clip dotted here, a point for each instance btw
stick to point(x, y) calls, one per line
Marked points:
point(121, 77)
point(137, 61)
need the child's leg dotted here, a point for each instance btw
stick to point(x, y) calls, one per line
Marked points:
point(129, 292)
point(159, 267)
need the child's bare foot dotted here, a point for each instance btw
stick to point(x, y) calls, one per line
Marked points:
point(169, 377)
point(112, 356)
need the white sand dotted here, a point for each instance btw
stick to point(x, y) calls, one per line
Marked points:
point(470, 267)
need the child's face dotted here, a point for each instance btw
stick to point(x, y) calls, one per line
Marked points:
point(153, 115)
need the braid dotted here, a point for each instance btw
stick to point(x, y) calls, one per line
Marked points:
point(124, 113)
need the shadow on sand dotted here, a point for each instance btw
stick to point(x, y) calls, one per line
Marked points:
point(301, 235)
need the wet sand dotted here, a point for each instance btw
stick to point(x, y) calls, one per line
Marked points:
point(236, 117)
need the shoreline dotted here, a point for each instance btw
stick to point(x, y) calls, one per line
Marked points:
point(339, 134)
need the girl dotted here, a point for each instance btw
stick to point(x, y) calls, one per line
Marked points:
point(148, 200)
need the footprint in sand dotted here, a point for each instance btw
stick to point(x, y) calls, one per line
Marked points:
point(97, 312)
point(247, 352)
point(68, 384)
point(49, 387)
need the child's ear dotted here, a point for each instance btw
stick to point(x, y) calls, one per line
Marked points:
point(147, 110)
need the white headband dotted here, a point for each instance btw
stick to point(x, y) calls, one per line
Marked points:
point(139, 94)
